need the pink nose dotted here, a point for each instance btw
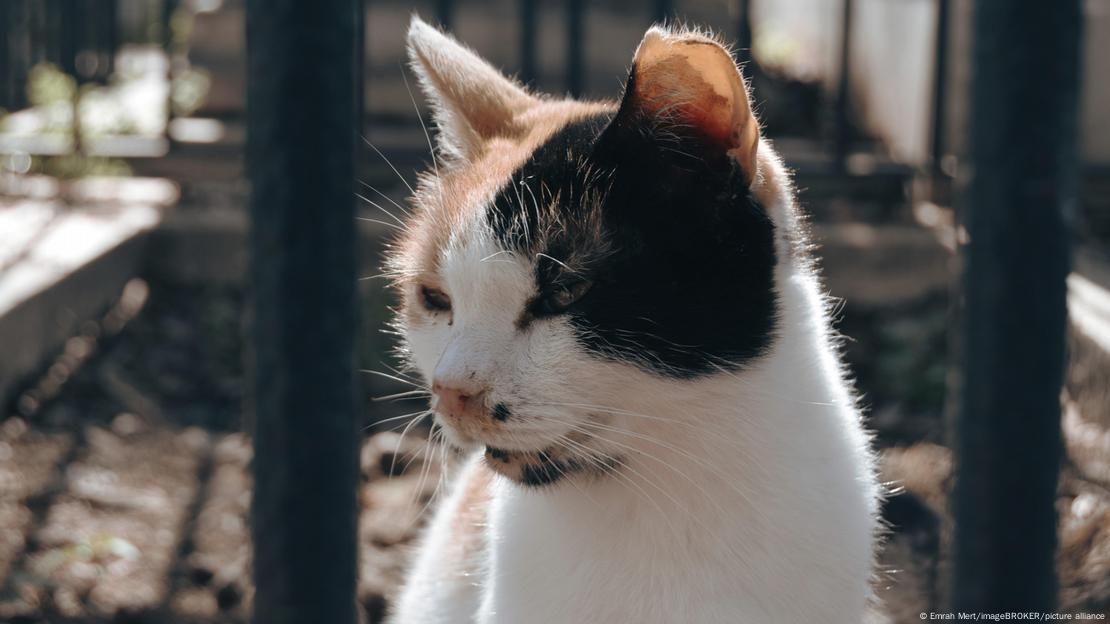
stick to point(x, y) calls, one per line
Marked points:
point(456, 401)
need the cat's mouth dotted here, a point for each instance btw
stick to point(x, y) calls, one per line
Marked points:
point(543, 467)
point(530, 460)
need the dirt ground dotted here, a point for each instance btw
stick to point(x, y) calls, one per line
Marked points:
point(125, 485)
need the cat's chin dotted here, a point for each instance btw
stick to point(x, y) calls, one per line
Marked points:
point(536, 462)
point(542, 468)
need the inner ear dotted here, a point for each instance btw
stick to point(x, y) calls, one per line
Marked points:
point(473, 102)
point(685, 86)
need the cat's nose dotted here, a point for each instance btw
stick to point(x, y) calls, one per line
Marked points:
point(458, 401)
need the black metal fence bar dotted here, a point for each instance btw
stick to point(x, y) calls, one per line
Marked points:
point(16, 30)
point(108, 39)
point(360, 60)
point(744, 36)
point(301, 145)
point(1024, 166)
point(5, 53)
point(940, 86)
point(575, 78)
point(79, 36)
point(68, 19)
point(445, 13)
point(842, 128)
point(528, 41)
point(662, 10)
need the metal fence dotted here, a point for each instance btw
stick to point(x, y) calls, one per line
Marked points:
point(81, 38)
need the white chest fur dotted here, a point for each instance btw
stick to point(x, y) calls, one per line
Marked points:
point(741, 495)
point(747, 497)
point(767, 514)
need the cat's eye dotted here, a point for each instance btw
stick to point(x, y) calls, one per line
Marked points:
point(434, 299)
point(562, 297)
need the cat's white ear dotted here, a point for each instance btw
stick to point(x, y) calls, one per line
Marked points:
point(690, 80)
point(472, 101)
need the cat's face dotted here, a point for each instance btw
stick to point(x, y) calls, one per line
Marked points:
point(567, 257)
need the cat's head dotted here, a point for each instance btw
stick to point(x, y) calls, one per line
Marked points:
point(567, 263)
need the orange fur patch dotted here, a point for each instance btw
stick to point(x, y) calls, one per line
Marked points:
point(691, 78)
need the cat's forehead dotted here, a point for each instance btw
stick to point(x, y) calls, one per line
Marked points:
point(462, 190)
point(453, 204)
point(484, 279)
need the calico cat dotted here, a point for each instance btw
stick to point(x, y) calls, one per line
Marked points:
point(614, 306)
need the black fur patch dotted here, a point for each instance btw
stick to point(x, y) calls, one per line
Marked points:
point(680, 254)
point(498, 454)
point(544, 472)
point(501, 412)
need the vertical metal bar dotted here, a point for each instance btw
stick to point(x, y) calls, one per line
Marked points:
point(46, 31)
point(166, 23)
point(574, 47)
point(940, 87)
point(111, 36)
point(6, 62)
point(69, 58)
point(168, 9)
point(360, 67)
point(528, 41)
point(20, 45)
point(49, 32)
point(68, 20)
point(1024, 163)
point(662, 11)
point(86, 39)
point(301, 153)
point(744, 36)
point(842, 128)
point(38, 33)
point(445, 13)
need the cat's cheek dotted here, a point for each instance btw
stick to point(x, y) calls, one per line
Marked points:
point(426, 342)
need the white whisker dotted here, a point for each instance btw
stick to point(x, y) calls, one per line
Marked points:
point(392, 377)
point(380, 207)
point(420, 118)
point(401, 395)
point(386, 197)
point(387, 161)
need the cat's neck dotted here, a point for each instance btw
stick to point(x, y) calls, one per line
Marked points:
point(729, 441)
point(762, 477)
point(738, 486)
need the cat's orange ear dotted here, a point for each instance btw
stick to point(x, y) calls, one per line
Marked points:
point(472, 101)
point(687, 80)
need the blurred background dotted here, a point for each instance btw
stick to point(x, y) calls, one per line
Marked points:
point(124, 480)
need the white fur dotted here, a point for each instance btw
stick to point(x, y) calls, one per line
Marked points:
point(742, 496)
point(471, 100)
point(746, 496)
